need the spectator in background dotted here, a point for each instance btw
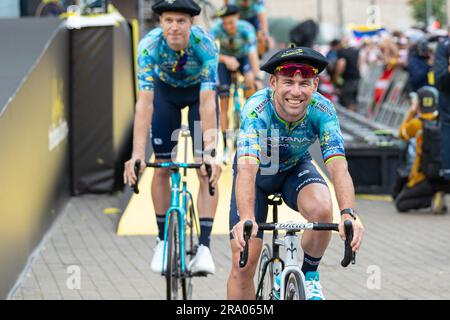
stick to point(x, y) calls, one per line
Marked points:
point(389, 53)
point(403, 51)
point(369, 55)
point(347, 75)
point(332, 54)
point(420, 65)
point(442, 74)
point(420, 190)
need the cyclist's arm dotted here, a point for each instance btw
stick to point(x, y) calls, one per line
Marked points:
point(209, 53)
point(345, 194)
point(208, 118)
point(263, 23)
point(245, 187)
point(260, 10)
point(223, 58)
point(142, 120)
point(252, 47)
point(342, 182)
point(245, 198)
point(254, 62)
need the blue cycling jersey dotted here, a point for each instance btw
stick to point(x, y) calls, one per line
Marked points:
point(249, 8)
point(238, 45)
point(193, 65)
point(265, 136)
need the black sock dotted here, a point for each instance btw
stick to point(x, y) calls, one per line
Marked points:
point(205, 231)
point(310, 263)
point(161, 221)
point(224, 136)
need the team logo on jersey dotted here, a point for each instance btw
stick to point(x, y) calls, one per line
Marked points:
point(252, 115)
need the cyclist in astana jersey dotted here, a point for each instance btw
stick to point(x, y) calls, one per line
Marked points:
point(278, 125)
point(196, 64)
point(237, 39)
point(291, 139)
point(177, 67)
point(254, 12)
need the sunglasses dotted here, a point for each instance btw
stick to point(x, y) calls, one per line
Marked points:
point(182, 59)
point(290, 70)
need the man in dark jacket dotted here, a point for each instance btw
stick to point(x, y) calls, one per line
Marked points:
point(442, 74)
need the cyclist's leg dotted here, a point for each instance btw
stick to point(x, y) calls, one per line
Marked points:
point(223, 91)
point(240, 280)
point(307, 192)
point(166, 119)
point(249, 77)
point(206, 204)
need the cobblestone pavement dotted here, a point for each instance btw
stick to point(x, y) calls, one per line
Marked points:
point(404, 256)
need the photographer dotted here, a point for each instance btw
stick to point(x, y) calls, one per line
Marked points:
point(421, 124)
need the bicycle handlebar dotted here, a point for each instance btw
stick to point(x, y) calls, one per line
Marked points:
point(349, 255)
point(171, 165)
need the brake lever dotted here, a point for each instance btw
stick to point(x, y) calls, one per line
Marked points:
point(137, 168)
point(349, 255)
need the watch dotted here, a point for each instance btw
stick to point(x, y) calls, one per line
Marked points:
point(350, 212)
point(210, 152)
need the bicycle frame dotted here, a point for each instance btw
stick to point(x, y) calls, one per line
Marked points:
point(181, 210)
point(291, 263)
point(290, 242)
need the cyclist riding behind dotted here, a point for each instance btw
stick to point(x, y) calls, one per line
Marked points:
point(237, 40)
point(177, 67)
point(254, 12)
point(278, 125)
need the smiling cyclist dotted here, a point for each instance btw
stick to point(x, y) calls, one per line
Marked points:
point(278, 125)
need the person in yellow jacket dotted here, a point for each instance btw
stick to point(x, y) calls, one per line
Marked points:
point(419, 192)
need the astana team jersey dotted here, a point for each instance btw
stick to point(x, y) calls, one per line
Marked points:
point(193, 65)
point(265, 136)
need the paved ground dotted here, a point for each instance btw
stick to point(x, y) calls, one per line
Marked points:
point(404, 256)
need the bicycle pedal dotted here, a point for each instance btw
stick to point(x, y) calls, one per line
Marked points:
point(199, 274)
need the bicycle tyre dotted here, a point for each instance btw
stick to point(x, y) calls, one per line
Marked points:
point(173, 265)
point(188, 284)
point(267, 282)
point(294, 287)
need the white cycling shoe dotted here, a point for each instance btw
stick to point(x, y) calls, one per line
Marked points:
point(157, 260)
point(313, 286)
point(202, 262)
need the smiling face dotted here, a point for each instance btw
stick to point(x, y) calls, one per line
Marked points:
point(176, 29)
point(292, 95)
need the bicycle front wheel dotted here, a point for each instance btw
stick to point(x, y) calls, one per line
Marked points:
point(294, 287)
point(173, 272)
point(265, 277)
point(192, 250)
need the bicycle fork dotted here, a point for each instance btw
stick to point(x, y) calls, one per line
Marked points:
point(291, 264)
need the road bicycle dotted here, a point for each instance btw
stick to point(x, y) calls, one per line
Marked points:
point(181, 226)
point(282, 278)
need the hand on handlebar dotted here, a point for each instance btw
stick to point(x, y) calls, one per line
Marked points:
point(238, 233)
point(358, 232)
point(214, 175)
point(129, 175)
